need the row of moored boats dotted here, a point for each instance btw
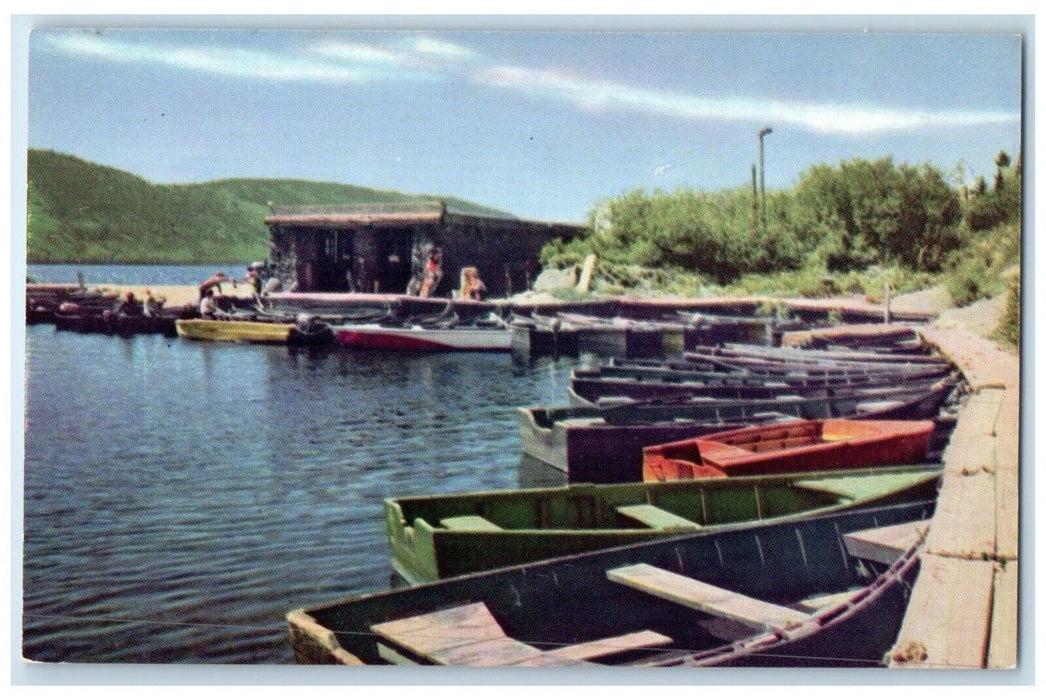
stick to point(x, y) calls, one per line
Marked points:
point(737, 505)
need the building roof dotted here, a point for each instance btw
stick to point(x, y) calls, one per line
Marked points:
point(327, 215)
point(388, 214)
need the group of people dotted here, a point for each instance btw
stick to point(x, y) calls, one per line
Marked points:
point(472, 287)
point(213, 286)
point(129, 305)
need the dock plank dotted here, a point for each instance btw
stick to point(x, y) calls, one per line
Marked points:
point(949, 615)
point(705, 597)
point(1002, 650)
point(964, 521)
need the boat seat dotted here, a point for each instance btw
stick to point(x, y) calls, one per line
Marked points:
point(815, 603)
point(465, 635)
point(885, 545)
point(475, 523)
point(706, 597)
point(835, 487)
point(612, 645)
point(468, 635)
point(654, 517)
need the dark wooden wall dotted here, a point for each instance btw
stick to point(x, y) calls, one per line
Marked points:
point(505, 251)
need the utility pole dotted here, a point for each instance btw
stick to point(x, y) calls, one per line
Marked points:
point(762, 173)
point(755, 200)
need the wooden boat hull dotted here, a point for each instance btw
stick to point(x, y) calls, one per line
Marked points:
point(585, 390)
point(233, 331)
point(674, 371)
point(831, 357)
point(801, 446)
point(433, 537)
point(558, 604)
point(605, 444)
point(375, 337)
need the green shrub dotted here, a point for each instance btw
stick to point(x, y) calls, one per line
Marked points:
point(1009, 330)
point(974, 271)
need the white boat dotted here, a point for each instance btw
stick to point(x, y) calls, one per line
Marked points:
point(374, 336)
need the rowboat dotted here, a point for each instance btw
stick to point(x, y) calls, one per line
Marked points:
point(589, 388)
point(439, 536)
point(876, 337)
point(603, 444)
point(830, 357)
point(119, 324)
point(829, 590)
point(682, 370)
point(233, 331)
point(421, 338)
point(792, 448)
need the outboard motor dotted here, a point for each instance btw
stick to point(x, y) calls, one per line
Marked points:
point(309, 330)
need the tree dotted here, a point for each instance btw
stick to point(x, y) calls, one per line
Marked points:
point(1001, 161)
point(866, 212)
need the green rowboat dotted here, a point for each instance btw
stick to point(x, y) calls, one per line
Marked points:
point(439, 536)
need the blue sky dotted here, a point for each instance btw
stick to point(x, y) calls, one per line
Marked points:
point(542, 124)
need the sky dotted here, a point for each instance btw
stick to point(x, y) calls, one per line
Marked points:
point(543, 124)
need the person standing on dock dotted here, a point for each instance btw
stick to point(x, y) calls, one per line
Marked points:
point(433, 273)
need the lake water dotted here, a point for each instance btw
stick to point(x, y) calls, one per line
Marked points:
point(181, 497)
point(132, 274)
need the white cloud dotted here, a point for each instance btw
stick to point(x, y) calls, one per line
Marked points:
point(360, 53)
point(233, 62)
point(422, 57)
point(436, 47)
point(852, 120)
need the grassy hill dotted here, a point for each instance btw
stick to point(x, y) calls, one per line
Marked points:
point(81, 212)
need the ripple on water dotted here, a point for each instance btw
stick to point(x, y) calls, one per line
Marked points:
point(181, 497)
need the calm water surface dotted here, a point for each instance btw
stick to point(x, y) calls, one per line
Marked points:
point(181, 497)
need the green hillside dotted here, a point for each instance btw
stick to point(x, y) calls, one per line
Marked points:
point(88, 213)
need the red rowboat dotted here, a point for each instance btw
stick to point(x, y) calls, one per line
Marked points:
point(801, 446)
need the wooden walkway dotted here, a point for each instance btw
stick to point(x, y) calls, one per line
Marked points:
point(963, 612)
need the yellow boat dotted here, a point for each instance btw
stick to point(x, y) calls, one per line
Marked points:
point(233, 331)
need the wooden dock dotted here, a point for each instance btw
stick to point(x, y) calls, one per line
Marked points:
point(964, 609)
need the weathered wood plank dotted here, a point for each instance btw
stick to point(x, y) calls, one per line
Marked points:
point(705, 597)
point(549, 660)
point(612, 645)
point(445, 629)
point(394, 657)
point(964, 521)
point(474, 523)
point(1007, 478)
point(949, 615)
point(656, 518)
point(491, 652)
point(885, 544)
point(1002, 650)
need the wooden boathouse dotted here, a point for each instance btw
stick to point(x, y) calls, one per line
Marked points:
point(381, 248)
